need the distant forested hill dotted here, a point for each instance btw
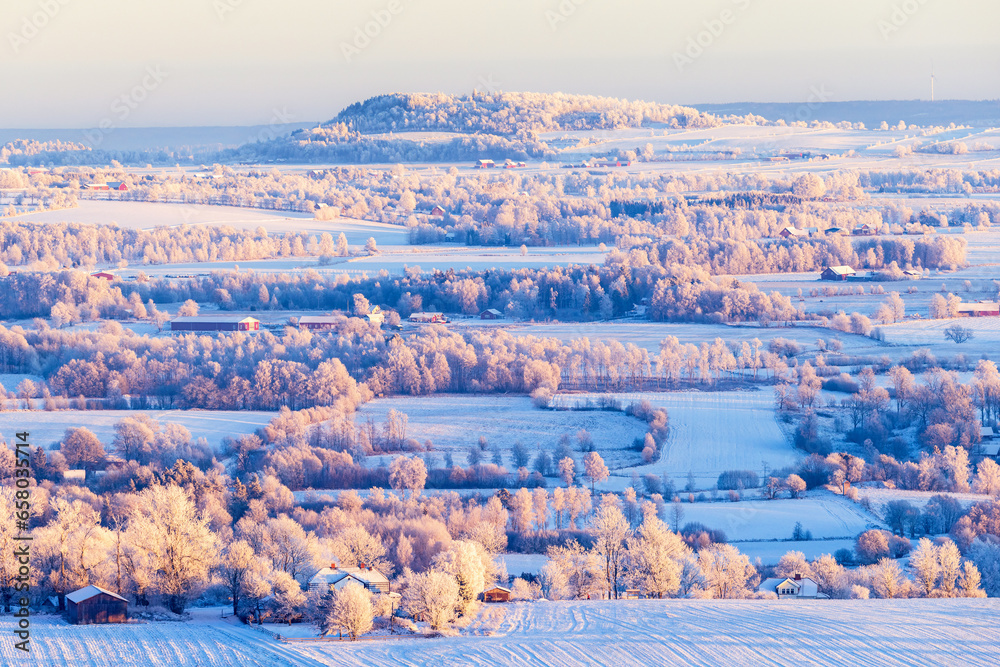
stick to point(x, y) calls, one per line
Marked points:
point(511, 113)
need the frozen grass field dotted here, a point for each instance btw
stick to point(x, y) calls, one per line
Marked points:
point(455, 422)
point(711, 432)
point(47, 428)
point(793, 633)
point(826, 516)
point(648, 335)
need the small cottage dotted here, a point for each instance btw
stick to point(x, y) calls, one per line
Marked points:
point(795, 586)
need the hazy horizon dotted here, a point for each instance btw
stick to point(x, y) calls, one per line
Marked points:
point(239, 62)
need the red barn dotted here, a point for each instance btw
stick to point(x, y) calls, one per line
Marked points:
point(496, 594)
point(837, 273)
point(979, 309)
point(91, 605)
point(117, 185)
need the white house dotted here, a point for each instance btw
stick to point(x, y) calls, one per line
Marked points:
point(796, 586)
point(335, 578)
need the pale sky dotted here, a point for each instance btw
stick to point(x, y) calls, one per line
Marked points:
point(67, 63)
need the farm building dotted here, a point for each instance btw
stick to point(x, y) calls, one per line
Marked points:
point(375, 316)
point(429, 318)
point(437, 212)
point(990, 450)
point(117, 185)
point(96, 186)
point(795, 586)
point(979, 309)
point(837, 273)
point(103, 275)
point(319, 321)
point(986, 433)
point(496, 594)
point(91, 605)
point(485, 164)
point(865, 230)
point(490, 314)
point(217, 323)
point(335, 578)
point(792, 232)
point(836, 231)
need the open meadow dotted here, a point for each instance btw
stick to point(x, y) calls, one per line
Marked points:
point(792, 633)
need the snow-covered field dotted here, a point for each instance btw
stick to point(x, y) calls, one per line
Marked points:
point(711, 432)
point(47, 428)
point(930, 333)
point(826, 516)
point(649, 334)
point(918, 499)
point(792, 633)
point(455, 423)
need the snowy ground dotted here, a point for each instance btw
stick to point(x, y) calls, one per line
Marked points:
point(930, 333)
point(649, 334)
point(518, 564)
point(792, 633)
point(826, 516)
point(47, 428)
point(711, 432)
point(880, 497)
point(455, 423)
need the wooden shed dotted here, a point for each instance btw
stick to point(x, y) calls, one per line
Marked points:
point(92, 604)
point(496, 594)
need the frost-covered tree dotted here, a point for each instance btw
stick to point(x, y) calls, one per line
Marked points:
point(792, 563)
point(82, 448)
point(887, 578)
point(352, 611)
point(987, 478)
point(925, 567)
point(408, 472)
point(610, 530)
point(431, 596)
point(288, 598)
point(471, 566)
point(567, 470)
point(655, 555)
point(167, 526)
point(594, 469)
point(727, 573)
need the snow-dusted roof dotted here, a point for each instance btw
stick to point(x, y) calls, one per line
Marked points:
point(88, 592)
point(497, 588)
point(330, 575)
point(842, 270)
